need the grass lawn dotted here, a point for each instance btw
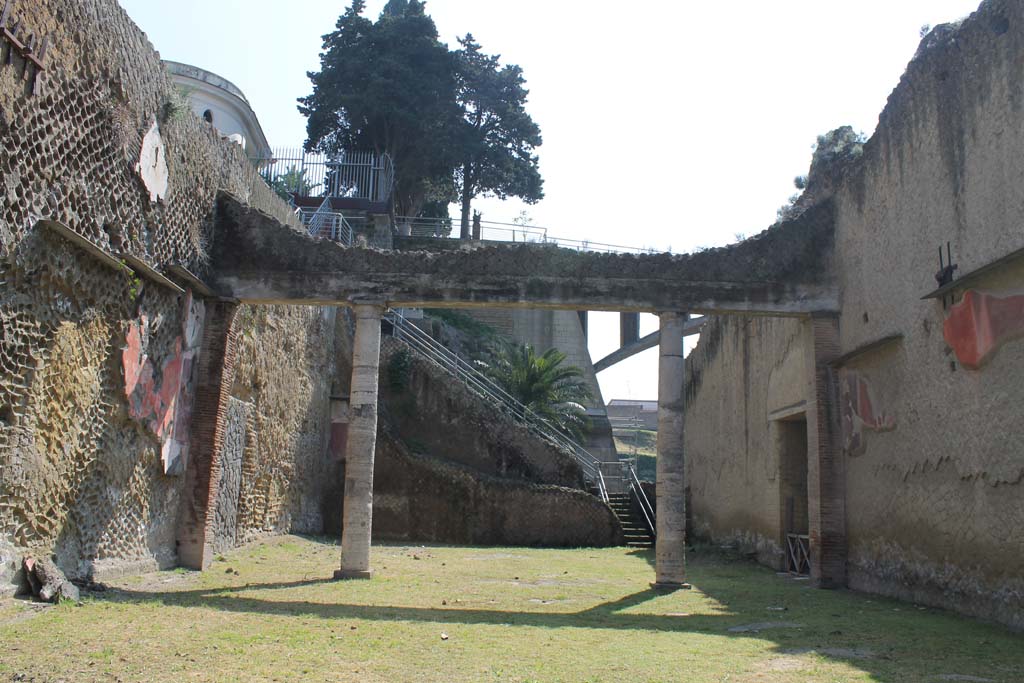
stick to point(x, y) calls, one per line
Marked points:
point(266, 612)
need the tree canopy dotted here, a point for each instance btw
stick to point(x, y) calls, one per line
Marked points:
point(498, 136)
point(453, 122)
point(387, 86)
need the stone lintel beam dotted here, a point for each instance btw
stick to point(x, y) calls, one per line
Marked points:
point(408, 290)
point(784, 271)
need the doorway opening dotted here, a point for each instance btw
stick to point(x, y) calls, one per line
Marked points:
point(792, 441)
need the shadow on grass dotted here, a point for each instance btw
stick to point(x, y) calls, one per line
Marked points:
point(883, 638)
point(607, 615)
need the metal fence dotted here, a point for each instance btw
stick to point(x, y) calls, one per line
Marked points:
point(323, 222)
point(349, 174)
point(495, 231)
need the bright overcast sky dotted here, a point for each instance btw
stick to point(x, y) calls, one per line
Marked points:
point(666, 123)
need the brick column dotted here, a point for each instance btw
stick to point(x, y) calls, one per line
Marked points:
point(362, 440)
point(826, 471)
point(216, 373)
point(670, 491)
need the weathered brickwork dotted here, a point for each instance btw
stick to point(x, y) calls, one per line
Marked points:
point(96, 362)
point(925, 488)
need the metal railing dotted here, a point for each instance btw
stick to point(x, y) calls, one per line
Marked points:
point(641, 498)
point(348, 174)
point(494, 231)
point(326, 223)
point(484, 386)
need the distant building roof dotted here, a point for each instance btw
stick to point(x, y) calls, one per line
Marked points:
point(646, 406)
point(223, 104)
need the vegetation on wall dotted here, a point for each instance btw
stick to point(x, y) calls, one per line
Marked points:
point(545, 384)
point(399, 368)
point(462, 322)
point(836, 146)
point(293, 180)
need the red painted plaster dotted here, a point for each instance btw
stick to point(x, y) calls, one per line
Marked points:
point(980, 323)
point(164, 407)
point(860, 411)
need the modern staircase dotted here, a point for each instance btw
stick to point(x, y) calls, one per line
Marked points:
point(636, 532)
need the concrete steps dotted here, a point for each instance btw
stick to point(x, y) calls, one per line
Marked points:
point(636, 533)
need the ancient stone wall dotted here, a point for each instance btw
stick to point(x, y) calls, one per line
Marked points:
point(280, 400)
point(743, 373)
point(934, 473)
point(97, 357)
point(436, 414)
point(419, 498)
point(928, 390)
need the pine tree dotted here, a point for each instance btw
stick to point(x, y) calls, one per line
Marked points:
point(497, 137)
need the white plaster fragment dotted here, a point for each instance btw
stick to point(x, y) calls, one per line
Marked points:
point(152, 166)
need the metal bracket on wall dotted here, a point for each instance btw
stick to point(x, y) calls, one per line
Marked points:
point(945, 274)
point(32, 49)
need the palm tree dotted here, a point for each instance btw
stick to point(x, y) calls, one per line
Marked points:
point(544, 384)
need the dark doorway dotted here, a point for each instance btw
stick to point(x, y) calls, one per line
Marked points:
point(792, 440)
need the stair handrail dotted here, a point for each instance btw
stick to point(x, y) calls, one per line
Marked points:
point(477, 381)
point(645, 503)
point(320, 216)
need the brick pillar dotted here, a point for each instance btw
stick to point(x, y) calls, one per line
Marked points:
point(826, 471)
point(216, 373)
point(670, 490)
point(362, 440)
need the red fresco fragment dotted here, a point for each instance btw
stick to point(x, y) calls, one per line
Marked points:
point(859, 412)
point(981, 323)
point(147, 401)
point(165, 409)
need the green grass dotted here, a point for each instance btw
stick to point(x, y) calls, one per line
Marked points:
point(509, 614)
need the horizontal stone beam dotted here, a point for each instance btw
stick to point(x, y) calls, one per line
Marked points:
point(690, 327)
point(257, 260)
point(411, 290)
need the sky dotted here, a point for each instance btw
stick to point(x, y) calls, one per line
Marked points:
point(667, 123)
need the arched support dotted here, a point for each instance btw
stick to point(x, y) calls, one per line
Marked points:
point(670, 544)
point(362, 441)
